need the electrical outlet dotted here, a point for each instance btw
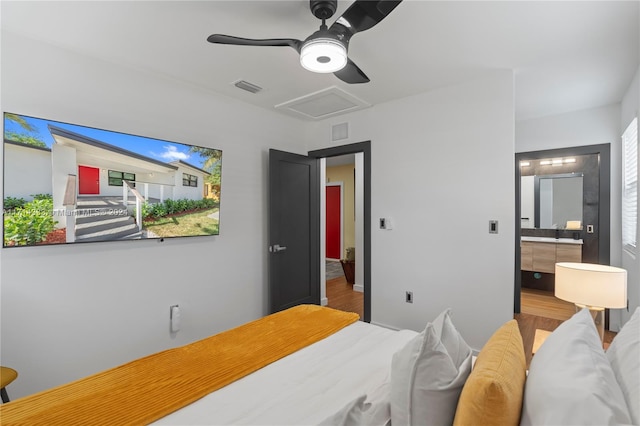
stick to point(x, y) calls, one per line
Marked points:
point(493, 226)
point(409, 297)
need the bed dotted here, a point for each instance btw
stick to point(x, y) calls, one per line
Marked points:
point(306, 387)
point(335, 370)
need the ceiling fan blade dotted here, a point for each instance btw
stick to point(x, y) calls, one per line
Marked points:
point(362, 15)
point(351, 74)
point(239, 41)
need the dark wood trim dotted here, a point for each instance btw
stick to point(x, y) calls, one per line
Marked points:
point(364, 147)
point(604, 203)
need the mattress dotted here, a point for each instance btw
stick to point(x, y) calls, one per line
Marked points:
point(305, 387)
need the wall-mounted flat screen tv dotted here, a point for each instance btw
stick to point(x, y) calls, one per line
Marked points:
point(66, 183)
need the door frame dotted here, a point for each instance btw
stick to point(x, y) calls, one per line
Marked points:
point(604, 204)
point(341, 186)
point(354, 148)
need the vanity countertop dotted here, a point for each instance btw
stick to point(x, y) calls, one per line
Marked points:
point(550, 240)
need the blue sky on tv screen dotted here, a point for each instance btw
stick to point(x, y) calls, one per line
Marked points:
point(157, 149)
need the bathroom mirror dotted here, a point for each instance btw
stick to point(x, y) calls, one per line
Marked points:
point(552, 201)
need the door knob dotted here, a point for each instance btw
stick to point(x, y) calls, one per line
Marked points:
point(276, 248)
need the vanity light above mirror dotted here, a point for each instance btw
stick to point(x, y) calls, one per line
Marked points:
point(550, 162)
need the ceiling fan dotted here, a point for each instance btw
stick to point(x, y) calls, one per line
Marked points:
point(325, 50)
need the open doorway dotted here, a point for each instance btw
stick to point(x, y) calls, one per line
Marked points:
point(344, 289)
point(562, 215)
point(578, 217)
point(354, 297)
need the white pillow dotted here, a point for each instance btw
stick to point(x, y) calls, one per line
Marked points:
point(428, 374)
point(371, 410)
point(570, 381)
point(624, 356)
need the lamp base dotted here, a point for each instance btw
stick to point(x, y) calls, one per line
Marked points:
point(597, 314)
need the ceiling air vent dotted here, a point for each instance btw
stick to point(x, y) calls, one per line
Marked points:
point(322, 104)
point(249, 87)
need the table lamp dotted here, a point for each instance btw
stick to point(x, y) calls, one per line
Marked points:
point(592, 286)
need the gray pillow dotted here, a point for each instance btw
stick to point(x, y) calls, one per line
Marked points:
point(624, 357)
point(570, 380)
point(428, 374)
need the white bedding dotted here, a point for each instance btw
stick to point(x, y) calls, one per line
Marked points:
point(305, 387)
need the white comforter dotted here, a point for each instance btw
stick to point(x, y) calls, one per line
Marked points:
point(303, 388)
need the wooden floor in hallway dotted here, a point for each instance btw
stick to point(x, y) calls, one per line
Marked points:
point(341, 296)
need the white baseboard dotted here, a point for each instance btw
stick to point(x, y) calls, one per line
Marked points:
point(359, 288)
point(324, 301)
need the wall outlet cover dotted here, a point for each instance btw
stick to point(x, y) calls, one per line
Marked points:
point(409, 297)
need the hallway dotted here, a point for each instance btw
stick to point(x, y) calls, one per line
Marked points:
point(341, 296)
point(340, 293)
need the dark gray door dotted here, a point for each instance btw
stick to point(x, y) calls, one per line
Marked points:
point(294, 230)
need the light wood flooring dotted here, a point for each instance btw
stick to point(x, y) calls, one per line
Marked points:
point(541, 310)
point(545, 304)
point(341, 296)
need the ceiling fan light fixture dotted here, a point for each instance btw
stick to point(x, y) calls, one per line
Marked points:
point(323, 55)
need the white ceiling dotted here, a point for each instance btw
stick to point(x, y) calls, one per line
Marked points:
point(566, 55)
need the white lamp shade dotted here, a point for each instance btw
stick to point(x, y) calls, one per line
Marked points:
point(591, 284)
point(323, 55)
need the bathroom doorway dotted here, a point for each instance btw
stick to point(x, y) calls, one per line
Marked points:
point(586, 228)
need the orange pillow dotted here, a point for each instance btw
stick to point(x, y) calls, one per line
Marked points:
point(492, 395)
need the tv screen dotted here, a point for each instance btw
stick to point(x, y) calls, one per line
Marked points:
point(66, 183)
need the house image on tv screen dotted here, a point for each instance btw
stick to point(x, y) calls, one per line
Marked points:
point(81, 189)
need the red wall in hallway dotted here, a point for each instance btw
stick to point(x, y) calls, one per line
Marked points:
point(334, 198)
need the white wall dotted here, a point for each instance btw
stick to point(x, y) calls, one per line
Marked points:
point(30, 171)
point(68, 311)
point(190, 192)
point(586, 127)
point(578, 128)
point(630, 108)
point(64, 163)
point(440, 248)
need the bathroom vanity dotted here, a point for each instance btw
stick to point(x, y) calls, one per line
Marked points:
point(540, 254)
point(538, 258)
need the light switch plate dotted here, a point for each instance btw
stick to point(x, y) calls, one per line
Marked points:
point(493, 226)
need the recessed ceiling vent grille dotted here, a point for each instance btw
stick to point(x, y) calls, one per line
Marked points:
point(249, 87)
point(322, 104)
